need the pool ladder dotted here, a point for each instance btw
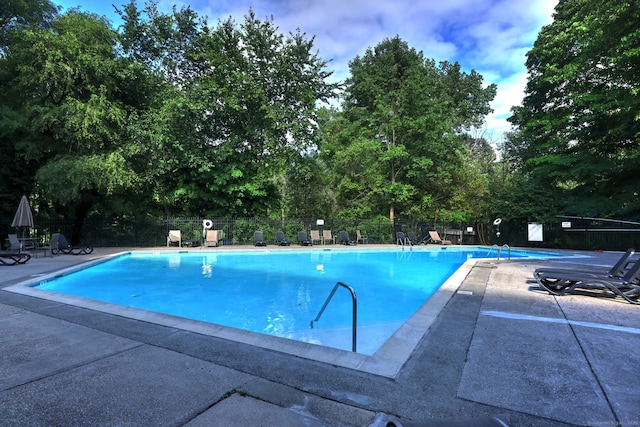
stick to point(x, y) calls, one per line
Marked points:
point(499, 249)
point(354, 299)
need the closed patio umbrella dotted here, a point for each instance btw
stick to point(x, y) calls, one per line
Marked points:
point(23, 217)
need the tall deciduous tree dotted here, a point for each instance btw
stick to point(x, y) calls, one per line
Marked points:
point(578, 127)
point(409, 114)
point(16, 176)
point(240, 107)
point(65, 86)
point(354, 169)
point(16, 15)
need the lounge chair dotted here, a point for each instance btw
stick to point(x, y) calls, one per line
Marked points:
point(174, 236)
point(361, 238)
point(345, 239)
point(434, 237)
point(327, 236)
point(546, 274)
point(280, 240)
point(23, 244)
point(411, 236)
point(627, 286)
point(315, 237)
point(14, 244)
point(303, 240)
point(60, 244)
point(14, 258)
point(18, 246)
point(633, 294)
point(212, 238)
point(258, 240)
point(401, 239)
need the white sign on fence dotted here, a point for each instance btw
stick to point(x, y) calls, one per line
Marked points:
point(535, 232)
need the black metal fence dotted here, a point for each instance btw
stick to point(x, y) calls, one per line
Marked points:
point(567, 233)
point(575, 233)
point(237, 231)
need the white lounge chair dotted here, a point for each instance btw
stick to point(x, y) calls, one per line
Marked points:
point(212, 238)
point(174, 236)
point(327, 236)
point(315, 237)
point(434, 237)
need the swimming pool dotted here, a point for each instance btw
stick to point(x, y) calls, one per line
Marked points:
point(276, 292)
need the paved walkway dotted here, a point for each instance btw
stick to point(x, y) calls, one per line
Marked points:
point(500, 348)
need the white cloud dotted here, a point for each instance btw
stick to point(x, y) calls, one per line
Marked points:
point(510, 93)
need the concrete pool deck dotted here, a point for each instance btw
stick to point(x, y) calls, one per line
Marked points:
point(500, 347)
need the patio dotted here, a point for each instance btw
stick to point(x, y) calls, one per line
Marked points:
point(499, 348)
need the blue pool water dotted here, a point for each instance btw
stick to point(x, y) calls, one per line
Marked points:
point(276, 292)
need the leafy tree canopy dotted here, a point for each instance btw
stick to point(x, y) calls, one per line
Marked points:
point(404, 120)
point(16, 15)
point(63, 110)
point(193, 119)
point(578, 128)
point(169, 115)
point(237, 105)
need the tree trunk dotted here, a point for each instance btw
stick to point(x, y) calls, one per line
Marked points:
point(81, 212)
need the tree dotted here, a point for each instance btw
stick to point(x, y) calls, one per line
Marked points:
point(353, 169)
point(304, 189)
point(408, 115)
point(239, 107)
point(16, 15)
point(471, 201)
point(578, 127)
point(16, 176)
point(68, 112)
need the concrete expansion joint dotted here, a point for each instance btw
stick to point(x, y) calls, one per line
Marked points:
point(592, 368)
point(224, 397)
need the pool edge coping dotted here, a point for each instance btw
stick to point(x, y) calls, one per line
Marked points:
point(387, 361)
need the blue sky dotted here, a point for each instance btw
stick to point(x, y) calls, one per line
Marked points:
point(490, 36)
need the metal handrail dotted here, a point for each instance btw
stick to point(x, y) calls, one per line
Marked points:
point(491, 250)
point(354, 299)
point(508, 250)
point(499, 250)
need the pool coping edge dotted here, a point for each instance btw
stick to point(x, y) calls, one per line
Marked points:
point(386, 361)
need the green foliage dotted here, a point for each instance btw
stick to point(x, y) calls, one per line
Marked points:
point(378, 229)
point(304, 189)
point(173, 116)
point(66, 178)
point(355, 170)
point(519, 197)
point(243, 230)
point(578, 127)
point(17, 15)
point(67, 116)
point(168, 113)
point(245, 111)
point(396, 146)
